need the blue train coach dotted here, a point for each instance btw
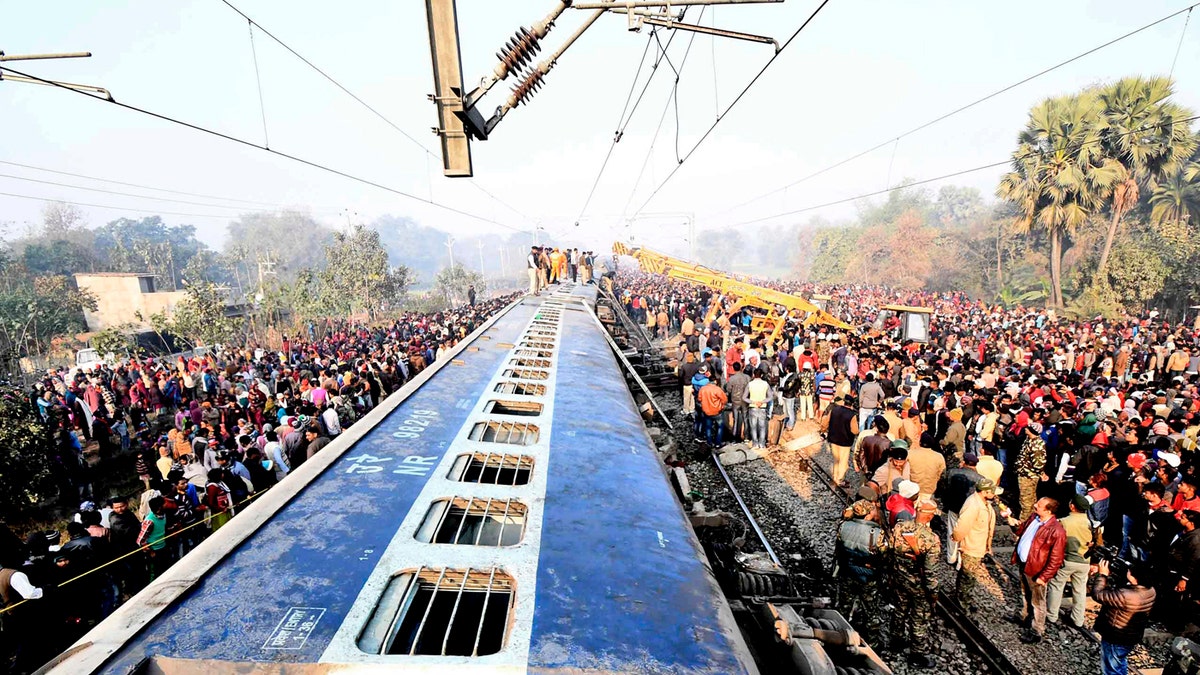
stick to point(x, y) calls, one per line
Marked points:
point(506, 512)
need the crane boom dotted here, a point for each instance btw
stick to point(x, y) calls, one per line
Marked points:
point(742, 293)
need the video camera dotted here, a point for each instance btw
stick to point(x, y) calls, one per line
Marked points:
point(1117, 566)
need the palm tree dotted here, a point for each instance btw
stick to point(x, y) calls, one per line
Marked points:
point(1060, 175)
point(1176, 201)
point(1148, 135)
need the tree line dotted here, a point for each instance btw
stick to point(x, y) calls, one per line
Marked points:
point(278, 269)
point(1098, 214)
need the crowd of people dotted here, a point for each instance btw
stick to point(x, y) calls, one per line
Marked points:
point(208, 432)
point(1080, 436)
point(547, 265)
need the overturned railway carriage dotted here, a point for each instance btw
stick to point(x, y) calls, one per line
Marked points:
point(505, 512)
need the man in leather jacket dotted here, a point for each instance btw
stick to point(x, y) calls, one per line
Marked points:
point(1124, 612)
point(1041, 547)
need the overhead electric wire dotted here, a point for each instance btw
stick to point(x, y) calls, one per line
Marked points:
point(360, 101)
point(1179, 47)
point(618, 133)
point(241, 209)
point(731, 105)
point(224, 216)
point(953, 174)
point(156, 189)
point(674, 98)
point(623, 121)
point(252, 144)
point(967, 106)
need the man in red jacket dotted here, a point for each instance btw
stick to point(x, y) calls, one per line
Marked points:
point(1041, 546)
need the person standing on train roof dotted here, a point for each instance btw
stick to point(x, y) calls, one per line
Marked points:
point(543, 267)
point(531, 267)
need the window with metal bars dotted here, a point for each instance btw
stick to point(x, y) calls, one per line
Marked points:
point(521, 388)
point(491, 468)
point(536, 344)
point(525, 362)
point(441, 612)
point(534, 353)
point(521, 408)
point(527, 374)
point(498, 431)
point(473, 522)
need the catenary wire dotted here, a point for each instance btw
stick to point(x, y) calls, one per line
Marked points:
point(965, 107)
point(262, 106)
point(252, 144)
point(672, 99)
point(241, 209)
point(224, 216)
point(617, 134)
point(158, 189)
point(1179, 47)
point(953, 174)
point(624, 121)
point(731, 105)
point(361, 102)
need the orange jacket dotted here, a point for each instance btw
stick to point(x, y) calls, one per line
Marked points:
point(712, 399)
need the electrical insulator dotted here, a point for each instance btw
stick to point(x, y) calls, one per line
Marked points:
point(527, 88)
point(519, 51)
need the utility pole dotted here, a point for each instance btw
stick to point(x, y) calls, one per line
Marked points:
point(482, 273)
point(450, 270)
point(85, 88)
point(503, 267)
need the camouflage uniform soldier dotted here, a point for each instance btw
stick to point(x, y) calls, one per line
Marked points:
point(858, 553)
point(915, 551)
point(1029, 467)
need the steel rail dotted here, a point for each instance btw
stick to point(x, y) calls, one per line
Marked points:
point(947, 607)
point(746, 510)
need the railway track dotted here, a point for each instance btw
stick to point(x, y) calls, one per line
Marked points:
point(948, 607)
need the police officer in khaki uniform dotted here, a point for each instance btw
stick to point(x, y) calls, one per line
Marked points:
point(915, 551)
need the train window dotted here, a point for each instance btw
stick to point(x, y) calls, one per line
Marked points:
point(512, 433)
point(527, 374)
point(529, 343)
point(441, 612)
point(521, 408)
point(535, 353)
point(521, 388)
point(492, 469)
point(473, 522)
point(529, 362)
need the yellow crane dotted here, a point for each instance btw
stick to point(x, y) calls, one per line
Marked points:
point(780, 306)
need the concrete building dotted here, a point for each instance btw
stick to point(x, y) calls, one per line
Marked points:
point(121, 296)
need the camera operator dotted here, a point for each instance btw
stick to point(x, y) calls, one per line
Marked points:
point(1124, 612)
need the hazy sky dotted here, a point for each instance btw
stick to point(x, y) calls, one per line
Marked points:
point(863, 72)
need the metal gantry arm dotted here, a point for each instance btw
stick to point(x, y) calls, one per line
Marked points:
point(86, 88)
point(459, 116)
